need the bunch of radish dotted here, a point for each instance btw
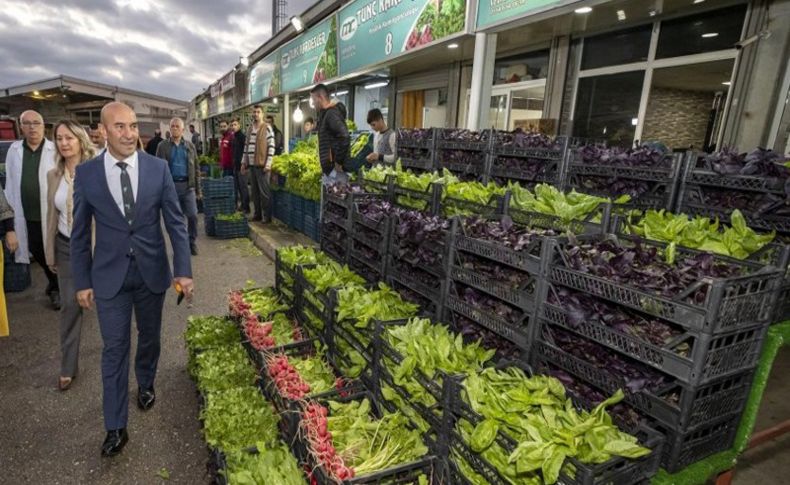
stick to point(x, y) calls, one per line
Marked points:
point(259, 333)
point(237, 306)
point(315, 426)
point(286, 378)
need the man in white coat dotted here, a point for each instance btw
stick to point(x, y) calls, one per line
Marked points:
point(27, 163)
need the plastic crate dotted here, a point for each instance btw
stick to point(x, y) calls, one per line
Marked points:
point(406, 473)
point(426, 164)
point(518, 332)
point(282, 206)
point(406, 139)
point(222, 205)
point(477, 140)
point(218, 188)
point(685, 448)
point(227, 229)
point(662, 182)
point(693, 201)
point(730, 303)
point(528, 259)
point(16, 276)
point(548, 173)
point(450, 206)
point(696, 405)
point(615, 471)
point(519, 298)
point(428, 200)
point(406, 278)
point(700, 172)
point(596, 222)
point(377, 264)
point(311, 227)
point(209, 226)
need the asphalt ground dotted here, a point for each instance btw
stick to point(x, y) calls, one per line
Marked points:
point(53, 437)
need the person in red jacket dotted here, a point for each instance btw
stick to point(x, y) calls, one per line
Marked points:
point(226, 149)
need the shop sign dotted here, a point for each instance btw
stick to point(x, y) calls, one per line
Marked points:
point(311, 58)
point(491, 12)
point(374, 31)
point(227, 82)
point(265, 78)
point(202, 109)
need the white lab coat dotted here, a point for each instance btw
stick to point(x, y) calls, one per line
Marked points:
point(13, 168)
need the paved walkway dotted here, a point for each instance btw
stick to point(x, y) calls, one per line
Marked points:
point(49, 437)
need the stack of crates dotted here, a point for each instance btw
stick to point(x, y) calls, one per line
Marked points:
point(690, 359)
point(218, 198)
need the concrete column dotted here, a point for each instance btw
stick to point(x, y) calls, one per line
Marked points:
point(287, 122)
point(482, 81)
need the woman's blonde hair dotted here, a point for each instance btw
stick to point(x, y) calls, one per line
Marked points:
point(86, 147)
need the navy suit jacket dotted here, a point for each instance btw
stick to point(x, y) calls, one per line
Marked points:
point(104, 270)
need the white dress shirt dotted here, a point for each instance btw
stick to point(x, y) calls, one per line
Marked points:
point(113, 172)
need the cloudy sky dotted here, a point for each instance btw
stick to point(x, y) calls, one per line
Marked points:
point(166, 47)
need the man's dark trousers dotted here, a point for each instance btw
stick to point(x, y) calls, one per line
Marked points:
point(261, 194)
point(188, 201)
point(115, 320)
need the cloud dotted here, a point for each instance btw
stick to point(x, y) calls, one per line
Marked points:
point(164, 47)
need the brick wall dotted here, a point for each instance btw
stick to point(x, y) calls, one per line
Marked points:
point(677, 117)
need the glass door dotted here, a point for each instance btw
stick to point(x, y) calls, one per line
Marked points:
point(497, 113)
point(516, 106)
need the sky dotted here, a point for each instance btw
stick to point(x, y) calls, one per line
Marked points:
point(165, 47)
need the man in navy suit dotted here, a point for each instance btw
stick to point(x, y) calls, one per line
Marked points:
point(122, 192)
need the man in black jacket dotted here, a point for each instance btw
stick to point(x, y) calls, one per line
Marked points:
point(240, 174)
point(154, 142)
point(333, 138)
point(279, 142)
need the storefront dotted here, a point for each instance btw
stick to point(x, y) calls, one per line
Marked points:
point(686, 74)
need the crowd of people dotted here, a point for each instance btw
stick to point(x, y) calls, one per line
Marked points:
point(88, 207)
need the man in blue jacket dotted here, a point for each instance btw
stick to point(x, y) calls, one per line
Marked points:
point(126, 193)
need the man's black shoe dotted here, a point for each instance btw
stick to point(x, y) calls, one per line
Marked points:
point(193, 249)
point(146, 399)
point(114, 442)
point(54, 299)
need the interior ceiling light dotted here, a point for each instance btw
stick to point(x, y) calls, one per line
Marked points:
point(698, 1)
point(726, 83)
point(298, 114)
point(297, 24)
point(342, 93)
point(275, 101)
point(709, 35)
point(36, 93)
point(453, 46)
point(621, 15)
point(376, 85)
point(583, 10)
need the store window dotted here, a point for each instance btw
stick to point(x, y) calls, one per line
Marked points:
point(686, 105)
point(622, 47)
point(708, 32)
point(608, 106)
point(526, 67)
point(422, 109)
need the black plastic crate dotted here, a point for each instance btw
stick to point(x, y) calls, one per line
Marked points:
point(691, 357)
point(429, 199)
point(448, 138)
point(675, 405)
point(597, 222)
point(548, 172)
point(700, 172)
point(407, 138)
point(520, 297)
point(224, 229)
point(335, 242)
point(730, 303)
point(284, 279)
point(450, 206)
point(694, 201)
point(661, 183)
point(615, 471)
point(403, 474)
point(222, 205)
point(517, 332)
point(685, 448)
point(425, 163)
point(217, 188)
point(312, 303)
